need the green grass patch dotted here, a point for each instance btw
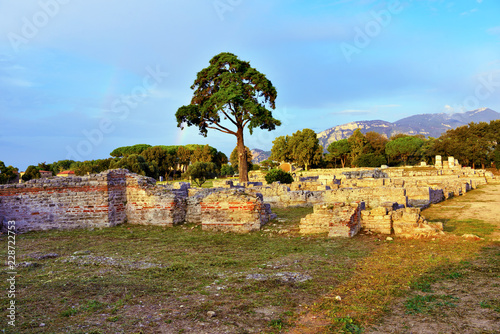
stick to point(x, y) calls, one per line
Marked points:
point(427, 304)
point(493, 304)
point(197, 269)
point(469, 226)
point(292, 216)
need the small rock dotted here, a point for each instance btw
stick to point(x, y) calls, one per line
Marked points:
point(28, 264)
point(471, 236)
point(389, 239)
point(338, 298)
point(81, 252)
point(42, 325)
point(211, 314)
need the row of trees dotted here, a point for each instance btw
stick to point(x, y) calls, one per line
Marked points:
point(7, 173)
point(143, 159)
point(373, 149)
point(301, 148)
point(473, 145)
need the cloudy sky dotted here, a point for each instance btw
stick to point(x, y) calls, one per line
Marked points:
point(79, 78)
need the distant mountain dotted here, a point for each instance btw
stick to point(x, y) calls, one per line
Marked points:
point(429, 125)
point(259, 155)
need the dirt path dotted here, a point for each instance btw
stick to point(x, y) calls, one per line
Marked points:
point(481, 204)
point(467, 302)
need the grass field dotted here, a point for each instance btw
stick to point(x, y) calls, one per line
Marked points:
point(144, 279)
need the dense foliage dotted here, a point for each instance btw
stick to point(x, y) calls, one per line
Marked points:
point(32, 172)
point(278, 175)
point(7, 174)
point(474, 145)
point(199, 172)
point(227, 170)
point(301, 148)
point(230, 90)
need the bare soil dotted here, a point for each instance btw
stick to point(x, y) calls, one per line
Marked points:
point(468, 300)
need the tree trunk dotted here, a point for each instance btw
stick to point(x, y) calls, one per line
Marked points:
point(242, 157)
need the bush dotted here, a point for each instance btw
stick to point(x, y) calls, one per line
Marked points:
point(32, 172)
point(201, 171)
point(370, 160)
point(278, 175)
point(227, 170)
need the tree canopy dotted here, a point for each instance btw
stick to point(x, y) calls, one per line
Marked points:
point(403, 147)
point(127, 150)
point(281, 150)
point(7, 174)
point(32, 172)
point(305, 148)
point(229, 89)
point(340, 149)
point(201, 171)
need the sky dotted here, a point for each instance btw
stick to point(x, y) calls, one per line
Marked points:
point(79, 78)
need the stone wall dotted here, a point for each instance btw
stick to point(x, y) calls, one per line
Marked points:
point(372, 197)
point(403, 222)
point(99, 200)
point(117, 196)
point(58, 203)
point(235, 211)
point(337, 219)
point(148, 204)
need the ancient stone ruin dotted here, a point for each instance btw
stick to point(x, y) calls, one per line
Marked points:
point(386, 201)
point(338, 219)
point(117, 196)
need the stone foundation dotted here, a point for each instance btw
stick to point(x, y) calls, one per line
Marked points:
point(117, 196)
point(59, 203)
point(338, 219)
point(403, 222)
point(234, 211)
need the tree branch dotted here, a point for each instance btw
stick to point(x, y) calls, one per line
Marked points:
point(221, 129)
point(232, 121)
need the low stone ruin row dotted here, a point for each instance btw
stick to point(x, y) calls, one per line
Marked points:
point(344, 200)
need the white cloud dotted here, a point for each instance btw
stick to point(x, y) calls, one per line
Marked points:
point(469, 12)
point(353, 111)
point(448, 108)
point(16, 82)
point(388, 106)
point(494, 30)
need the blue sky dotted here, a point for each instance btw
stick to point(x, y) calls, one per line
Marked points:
point(79, 78)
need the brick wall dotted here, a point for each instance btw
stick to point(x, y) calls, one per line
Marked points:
point(99, 200)
point(337, 219)
point(233, 210)
point(403, 222)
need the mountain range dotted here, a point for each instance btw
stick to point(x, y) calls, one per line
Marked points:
point(259, 155)
point(429, 125)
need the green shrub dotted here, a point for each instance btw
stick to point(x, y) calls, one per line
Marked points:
point(370, 160)
point(227, 170)
point(278, 175)
point(201, 171)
